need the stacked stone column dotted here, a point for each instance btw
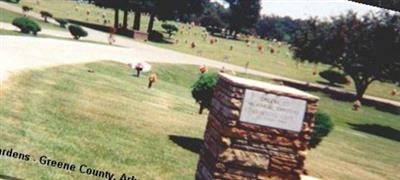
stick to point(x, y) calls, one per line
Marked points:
point(238, 150)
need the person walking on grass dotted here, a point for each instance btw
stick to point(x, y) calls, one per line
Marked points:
point(139, 68)
point(111, 38)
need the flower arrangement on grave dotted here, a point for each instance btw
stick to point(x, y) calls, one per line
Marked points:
point(260, 48)
point(393, 92)
point(356, 105)
point(152, 79)
point(203, 69)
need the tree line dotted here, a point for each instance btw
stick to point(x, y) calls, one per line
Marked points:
point(240, 17)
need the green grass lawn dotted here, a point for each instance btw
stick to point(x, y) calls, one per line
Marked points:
point(279, 63)
point(16, 33)
point(9, 16)
point(111, 121)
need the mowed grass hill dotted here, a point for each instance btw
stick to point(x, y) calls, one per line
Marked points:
point(111, 121)
point(280, 62)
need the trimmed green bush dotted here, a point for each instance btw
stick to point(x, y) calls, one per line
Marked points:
point(322, 127)
point(62, 22)
point(156, 36)
point(77, 31)
point(26, 25)
point(170, 29)
point(334, 77)
point(203, 89)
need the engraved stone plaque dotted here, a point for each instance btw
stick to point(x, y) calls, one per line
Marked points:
point(273, 111)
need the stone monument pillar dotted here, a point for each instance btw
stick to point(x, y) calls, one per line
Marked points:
point(256, 130)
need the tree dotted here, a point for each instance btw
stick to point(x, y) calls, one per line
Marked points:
point(46, 15)
point(367, 48)
point(26, 9)
point(275, 27)
point(173, 10)
point(139, 6)
point(215, 15)
point(388, 4)
point(114, 4)
point(244, 15)
point(203, 89)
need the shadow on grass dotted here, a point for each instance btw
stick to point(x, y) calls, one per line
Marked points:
point(8, 177)
point(162, 41)
point(188, 143)
point(329, 84)
point(377, 130)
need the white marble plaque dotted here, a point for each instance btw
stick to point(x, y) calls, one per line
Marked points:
point(273, 111)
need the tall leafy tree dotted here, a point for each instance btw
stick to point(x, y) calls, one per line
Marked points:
point(367, 48)
point(244, 15)
point(215, 15)
point(388, 4)
point(114, 4)
point(173, 10)
point(139, 7)
point(280, 28)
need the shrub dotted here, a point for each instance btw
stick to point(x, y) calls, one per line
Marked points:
point(26, 25)
point(26, 9)
point(62, 22)
point(169, 28)
point(333, 77)
point(203, 89)
point(156, 36)
point(213, 30)
point(322, 127)
point(77, 31)
point(46, 15)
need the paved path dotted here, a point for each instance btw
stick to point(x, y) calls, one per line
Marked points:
point(15, 50)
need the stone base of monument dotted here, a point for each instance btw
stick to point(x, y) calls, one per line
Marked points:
point(256, 130)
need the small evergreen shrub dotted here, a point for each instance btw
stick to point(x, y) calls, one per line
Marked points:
point(203, 89)
point(156, 36)
point(322, 127)
point(334, 77)
point(26, 25)
point(62, 22)
point(170, 29)
point(77, 31)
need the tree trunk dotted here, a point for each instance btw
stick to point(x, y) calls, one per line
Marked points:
point(136, 22)
point(361, 87)
point(125, 21)
point(116, 18)
point(201, 109)
point(151, 23)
